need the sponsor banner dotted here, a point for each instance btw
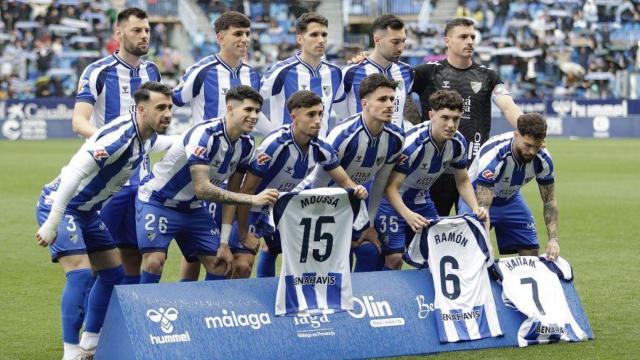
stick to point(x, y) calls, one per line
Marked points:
point(600, 126)
point(235, 319)
point(50, 118)
point(36, 119)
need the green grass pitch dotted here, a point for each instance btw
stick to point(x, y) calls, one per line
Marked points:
point(598, 186)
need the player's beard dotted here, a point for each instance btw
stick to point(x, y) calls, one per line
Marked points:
point(134, 50)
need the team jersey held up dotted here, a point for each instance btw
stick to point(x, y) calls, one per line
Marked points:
point(205, 143)
point(360, 153)
point(497, 167)
point(531, 285)
point(293, 74)
point(316, 276)
point(456, 252)
point(423, 162)
point(205, 85)
point(282, 164)
point(118, 150)
point(476, 84)
point(353, 75)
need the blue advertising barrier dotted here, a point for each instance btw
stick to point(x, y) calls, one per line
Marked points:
point(234, 319)
point(50, 118)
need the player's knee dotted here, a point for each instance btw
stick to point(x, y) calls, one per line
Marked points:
point(393, 261)
point(212, 264)
point(242, 270)
point(153, 263)
point(366, 249)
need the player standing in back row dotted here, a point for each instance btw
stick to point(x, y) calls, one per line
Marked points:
point(306, 70)
point(478, 85)
point(389, 36)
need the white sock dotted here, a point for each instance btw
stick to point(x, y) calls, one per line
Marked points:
point(89, 340)
point(71, 351)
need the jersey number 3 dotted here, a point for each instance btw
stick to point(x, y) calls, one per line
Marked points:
point(318, 236)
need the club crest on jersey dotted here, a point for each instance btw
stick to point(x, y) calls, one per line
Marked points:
point(200, 151)
point(476, 86)
point(487, 174)
point(379, 160)
point(224, 90)
point(445, 84)
point(151, 236)
point(100, 154)
point(326, 90)
point(263, 159)
point(304, 86)
point(289, 170)
point(125, 89)
point(400, 85)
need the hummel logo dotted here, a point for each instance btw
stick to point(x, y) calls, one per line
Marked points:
point(164, 318)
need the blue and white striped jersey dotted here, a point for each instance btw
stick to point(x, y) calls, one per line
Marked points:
point(206, 143)
point(293, 74)
point(353, 75)
point(108, 84)
point(281, 163)
point(205, 84)
point(532, 285)
point(456, 252)
point(497, 167)
point(117, 150)
point(312, 228)
point(360, 153)
point(423, 162)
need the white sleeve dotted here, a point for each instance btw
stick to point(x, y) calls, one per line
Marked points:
point(263, 126)
point(81, 166)
point(164, 142)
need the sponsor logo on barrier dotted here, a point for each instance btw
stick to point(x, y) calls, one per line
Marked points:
point(229, 319)
point(601, 126)
point(312, 326)
point(424, 309)
point(165, 319)
point(576, 109)
point(379, 312)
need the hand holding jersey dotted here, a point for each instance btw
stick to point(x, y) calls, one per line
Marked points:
point(430, 149)
point(455, 250)
point(531, 285)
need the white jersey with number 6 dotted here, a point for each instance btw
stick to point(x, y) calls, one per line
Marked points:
point(456, 251)
point(314, 229)
point(531, 284)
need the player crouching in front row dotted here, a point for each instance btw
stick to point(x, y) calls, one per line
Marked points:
point(173, 204)
point(429, 149)
point(505, 164)
point(282, 161)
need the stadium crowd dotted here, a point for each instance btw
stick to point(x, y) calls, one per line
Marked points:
point(584, 49)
